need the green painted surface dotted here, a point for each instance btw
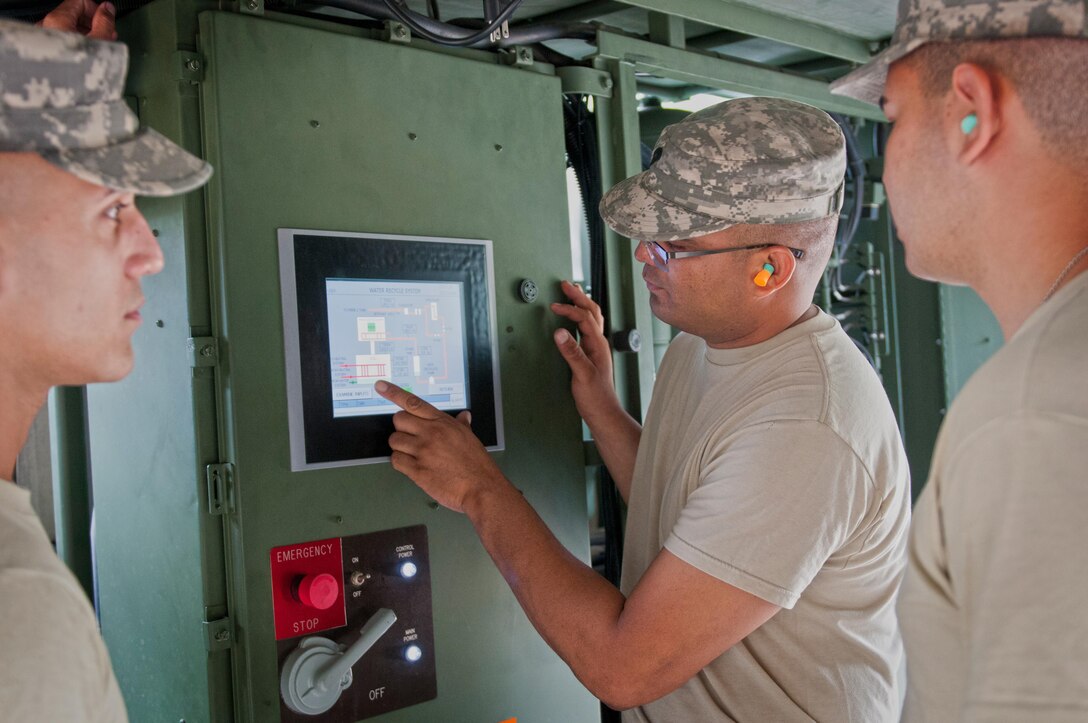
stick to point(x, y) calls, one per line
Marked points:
point(969, 336)
point(311, 129)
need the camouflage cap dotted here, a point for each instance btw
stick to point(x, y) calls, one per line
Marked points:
point(60, 97)
point(923, 21)
point(748, 160)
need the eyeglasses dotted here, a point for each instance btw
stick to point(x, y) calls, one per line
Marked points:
point(660, 257)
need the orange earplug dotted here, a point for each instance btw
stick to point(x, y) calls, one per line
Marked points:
point(764, 275)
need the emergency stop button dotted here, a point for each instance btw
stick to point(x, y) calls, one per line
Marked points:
point(317, 591)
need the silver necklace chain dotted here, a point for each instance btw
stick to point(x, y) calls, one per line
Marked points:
point(1068, 267)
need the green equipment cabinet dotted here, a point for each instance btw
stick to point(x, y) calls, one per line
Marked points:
point(257, 558)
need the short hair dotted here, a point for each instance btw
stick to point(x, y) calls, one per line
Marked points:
point(1050, 76)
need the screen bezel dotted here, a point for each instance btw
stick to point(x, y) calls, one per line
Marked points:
point(310, 256)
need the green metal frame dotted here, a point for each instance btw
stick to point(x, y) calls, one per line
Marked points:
point(750, 20)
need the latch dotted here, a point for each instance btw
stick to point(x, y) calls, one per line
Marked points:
point(220, 479)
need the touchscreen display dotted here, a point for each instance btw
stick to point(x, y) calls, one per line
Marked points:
point(411, 333)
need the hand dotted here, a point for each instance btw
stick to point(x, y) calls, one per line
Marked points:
point(84, 17)
point(437, 452)
point(591, 361)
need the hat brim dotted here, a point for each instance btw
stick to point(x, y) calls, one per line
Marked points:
point(634, 211)
point(148, 164)
point(867, 82)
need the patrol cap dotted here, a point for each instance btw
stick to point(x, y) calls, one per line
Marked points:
point(61, 97)
point(924, 21)
point(748, 160)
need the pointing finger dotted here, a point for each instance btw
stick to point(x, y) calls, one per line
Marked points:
point(406, 401)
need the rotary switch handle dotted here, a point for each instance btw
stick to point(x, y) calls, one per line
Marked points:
point(317, 671)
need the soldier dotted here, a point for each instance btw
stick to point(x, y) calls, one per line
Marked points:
point(73, 249)
point(768, 492)
point(987, 174)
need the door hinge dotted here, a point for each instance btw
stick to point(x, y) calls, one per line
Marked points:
point(203, 351)
point(220, 488)
point(218, 634)
point(189, 66)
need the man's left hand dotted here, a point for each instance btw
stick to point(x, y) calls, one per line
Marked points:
point(84, 17)
point(438, 452)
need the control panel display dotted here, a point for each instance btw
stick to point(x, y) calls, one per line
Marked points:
point(360, 642)
point(408, 333)
point(357, 308)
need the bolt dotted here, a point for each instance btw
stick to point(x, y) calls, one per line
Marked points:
point(193, 65)
point(222, 636)
point(400, 31)
point(207, 350)
point(498, 147)
point(315, 124)
point(252, 4)
point(606, 82)
point(412, 136)
point(433, 505)
point(160, 323)
point(524, 55)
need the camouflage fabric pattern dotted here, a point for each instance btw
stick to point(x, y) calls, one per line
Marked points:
point(923, 21)
point(61, 97)
point(748, 160)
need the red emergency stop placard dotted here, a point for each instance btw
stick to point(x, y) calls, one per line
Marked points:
point(303, 599)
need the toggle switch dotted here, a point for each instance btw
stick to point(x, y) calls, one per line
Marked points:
point(316, 591)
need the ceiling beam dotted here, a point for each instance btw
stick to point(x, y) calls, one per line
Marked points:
point(733, 15)
point(712, 71)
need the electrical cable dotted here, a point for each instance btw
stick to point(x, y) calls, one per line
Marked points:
point(442, 34)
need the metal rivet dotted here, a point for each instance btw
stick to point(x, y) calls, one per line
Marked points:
point(433, 505)
point(155, 232)
point(315, 124)
point(509, 330)
point(498, 147)
point(160, 323)
point(412, 136)
point(339, 520)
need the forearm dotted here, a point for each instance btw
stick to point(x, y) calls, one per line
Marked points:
point(617, 435)
point(573, 608)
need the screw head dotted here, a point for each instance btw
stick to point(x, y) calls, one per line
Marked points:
point(193, 64)
point(400, 31)
point(252, 4)
point(207, 350)
point(222, 636)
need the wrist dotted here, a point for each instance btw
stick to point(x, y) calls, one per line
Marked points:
point(486, 496)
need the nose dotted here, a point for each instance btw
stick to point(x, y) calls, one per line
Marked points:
point(146, 258)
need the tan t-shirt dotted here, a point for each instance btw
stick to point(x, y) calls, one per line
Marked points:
point(994, 603)
point(53, 661)
point(778, 468)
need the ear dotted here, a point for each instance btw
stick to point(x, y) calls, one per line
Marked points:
point(784, 263)
point(978, 91)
